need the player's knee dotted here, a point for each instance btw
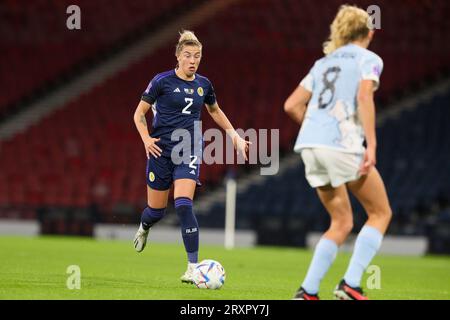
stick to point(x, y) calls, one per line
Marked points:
point(384, 214)
point(156, 204)
point(342, 226)
point(387, 214)
point(347, 227)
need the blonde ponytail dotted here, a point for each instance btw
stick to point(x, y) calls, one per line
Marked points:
point(187, 38)
point(350, 24)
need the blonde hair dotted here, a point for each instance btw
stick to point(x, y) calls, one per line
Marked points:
point(187, 38)
point(350, 24)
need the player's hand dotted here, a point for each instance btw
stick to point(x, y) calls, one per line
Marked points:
point(369, 161)
point(241, 145)
point(152, 148)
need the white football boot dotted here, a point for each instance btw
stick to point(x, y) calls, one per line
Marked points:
point(187, 276)
point(140, 239)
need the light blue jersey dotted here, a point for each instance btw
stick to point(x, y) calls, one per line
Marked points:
point(331, 119)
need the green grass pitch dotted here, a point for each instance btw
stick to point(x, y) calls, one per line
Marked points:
point(35, 268)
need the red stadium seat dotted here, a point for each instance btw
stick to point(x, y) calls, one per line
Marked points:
point(89, 151)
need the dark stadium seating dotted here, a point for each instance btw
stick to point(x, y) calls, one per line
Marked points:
point(413, 159)
point(255, 53)
point(37, 47)
point(438, 231)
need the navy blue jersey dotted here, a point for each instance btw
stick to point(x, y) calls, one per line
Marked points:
point(176, 104)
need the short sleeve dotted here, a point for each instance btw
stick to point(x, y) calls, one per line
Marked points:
point(210, 97)
point(308, 82)
point(152, 92)
point(371, 69)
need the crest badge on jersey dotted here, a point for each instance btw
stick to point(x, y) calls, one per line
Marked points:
point(151, 176)
point(200, 91)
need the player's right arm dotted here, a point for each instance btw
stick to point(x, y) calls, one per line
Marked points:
point(141, 125)
point(371, 68)
point(297, 103)
point(366, 111)
point(295, 106)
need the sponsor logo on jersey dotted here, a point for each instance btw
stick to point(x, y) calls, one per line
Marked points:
point(200, 91)
point(151, 176)
point(189, 91)
point(177, 90)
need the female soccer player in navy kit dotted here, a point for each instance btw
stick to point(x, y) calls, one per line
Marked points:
point(176, 98)
point(335, 107)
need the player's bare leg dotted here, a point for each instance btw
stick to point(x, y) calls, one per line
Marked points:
point(337, 203)
point(370, 191)
point(155, 199)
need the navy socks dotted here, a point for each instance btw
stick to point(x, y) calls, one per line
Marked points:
point(151, 216)
point(189, 227)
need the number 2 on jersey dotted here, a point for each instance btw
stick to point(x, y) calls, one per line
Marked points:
point(189, 101)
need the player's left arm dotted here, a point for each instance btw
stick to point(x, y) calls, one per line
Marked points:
point(222, 121)
point(295, 106)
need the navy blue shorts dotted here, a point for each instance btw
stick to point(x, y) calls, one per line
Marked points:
point(161, 172)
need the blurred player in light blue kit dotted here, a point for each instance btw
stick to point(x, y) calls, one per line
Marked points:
point(177, 98)
point(335, 107)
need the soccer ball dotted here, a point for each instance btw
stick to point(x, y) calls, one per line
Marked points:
point(209, 274)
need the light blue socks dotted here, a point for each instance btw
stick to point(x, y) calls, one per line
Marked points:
point(324, 255)
point(366, 246)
